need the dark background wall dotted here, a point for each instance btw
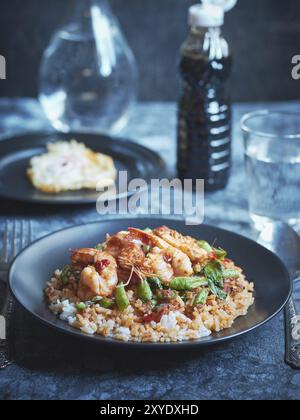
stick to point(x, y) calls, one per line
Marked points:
point(264, 35)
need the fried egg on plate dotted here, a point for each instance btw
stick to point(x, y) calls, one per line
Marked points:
point(71, 166)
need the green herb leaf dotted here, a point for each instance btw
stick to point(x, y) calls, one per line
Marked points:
point(217, 291)
point(214, 274)
point(214, 271)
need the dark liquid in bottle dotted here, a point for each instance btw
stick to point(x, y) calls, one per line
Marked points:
point(204, 130)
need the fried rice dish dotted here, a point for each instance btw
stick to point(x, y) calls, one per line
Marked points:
point(152, 285)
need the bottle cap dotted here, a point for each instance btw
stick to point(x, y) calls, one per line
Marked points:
point(206, 15)
point(225, 4)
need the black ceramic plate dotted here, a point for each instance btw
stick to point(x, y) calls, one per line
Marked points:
point(34, 266)
point(16, 152)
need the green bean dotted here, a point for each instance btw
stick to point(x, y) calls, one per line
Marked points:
point(221, 254)
point(144, 291)
point(205, 245)
point(155, 282)
point(65, 274)
point(201, 298)
point(106, 303)
point(81, 306)
point(231, 274)
point(187, 283)
point(122, 300)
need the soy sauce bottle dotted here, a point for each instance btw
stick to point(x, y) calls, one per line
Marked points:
point(204, 120)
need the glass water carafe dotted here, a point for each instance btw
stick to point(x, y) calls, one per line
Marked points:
point(88, 76)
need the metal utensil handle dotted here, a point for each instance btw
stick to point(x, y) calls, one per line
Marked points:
point(292, 331)
point(6, 354)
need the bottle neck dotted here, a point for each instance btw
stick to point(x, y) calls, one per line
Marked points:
point(207, 42)
point(207, 36)
point(213, 31)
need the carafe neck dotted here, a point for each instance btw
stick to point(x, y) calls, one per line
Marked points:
point(85, 12)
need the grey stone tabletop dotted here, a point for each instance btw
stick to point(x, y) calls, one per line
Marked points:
point(51, 366)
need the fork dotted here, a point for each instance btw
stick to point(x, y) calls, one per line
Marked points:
point(17, 235)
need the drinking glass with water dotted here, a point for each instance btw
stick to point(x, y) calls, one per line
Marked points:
point(272, 151)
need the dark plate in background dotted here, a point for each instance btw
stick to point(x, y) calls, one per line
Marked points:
point(16, 152)
point(35, 265)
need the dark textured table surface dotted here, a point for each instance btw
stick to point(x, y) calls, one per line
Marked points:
point(51, 366)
